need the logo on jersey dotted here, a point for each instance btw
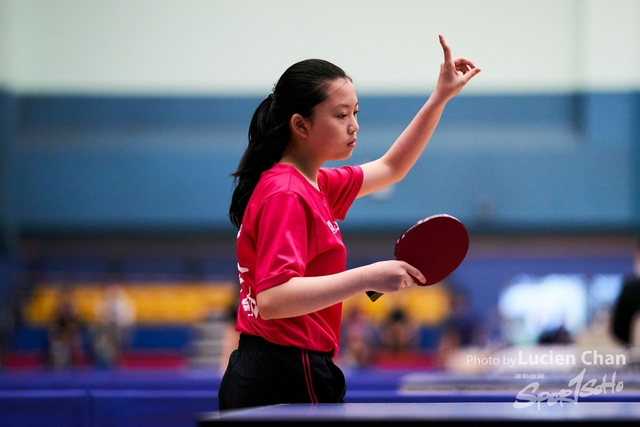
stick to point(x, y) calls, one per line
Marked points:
point(333, 226)
point(250, 305)
point(240, 271)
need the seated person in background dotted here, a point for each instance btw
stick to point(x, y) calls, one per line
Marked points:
point(65, 334)
point(626, 310)
point(230, 337)
point(559, 335)
point(398, 332)
point(357, 338)
point(459, 330)
point(114, 317)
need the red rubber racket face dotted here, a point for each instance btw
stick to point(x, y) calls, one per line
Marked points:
point(436, 246)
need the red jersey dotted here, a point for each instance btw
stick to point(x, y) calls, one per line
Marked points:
point(289, 229)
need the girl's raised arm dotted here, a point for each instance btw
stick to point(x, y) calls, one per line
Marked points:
point(393, 166)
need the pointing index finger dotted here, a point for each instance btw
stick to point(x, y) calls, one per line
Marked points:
point(445, 48)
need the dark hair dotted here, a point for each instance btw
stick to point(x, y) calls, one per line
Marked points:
point(299, 89)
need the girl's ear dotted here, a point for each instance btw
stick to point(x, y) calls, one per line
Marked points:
point(299, 125)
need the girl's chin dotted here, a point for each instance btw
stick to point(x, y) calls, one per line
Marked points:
point(345, 156)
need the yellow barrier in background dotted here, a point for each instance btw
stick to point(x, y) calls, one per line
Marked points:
point(192, 302)
point(152, 303)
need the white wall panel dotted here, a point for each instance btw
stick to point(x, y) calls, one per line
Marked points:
point(389, 46)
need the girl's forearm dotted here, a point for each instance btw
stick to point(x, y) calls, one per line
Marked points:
point(406, 150)
point(303, 295)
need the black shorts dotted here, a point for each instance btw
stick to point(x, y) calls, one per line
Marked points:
point(262, 373)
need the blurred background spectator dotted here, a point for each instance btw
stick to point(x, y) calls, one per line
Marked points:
point(399, 332)
point(66, 346)
point(358, 336)
point(460, 329)
point(115, 316)
point(625, 323)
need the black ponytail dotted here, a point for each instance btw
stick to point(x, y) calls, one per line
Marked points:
point(299, 89)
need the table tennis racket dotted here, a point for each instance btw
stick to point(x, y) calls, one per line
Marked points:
point(435, 245)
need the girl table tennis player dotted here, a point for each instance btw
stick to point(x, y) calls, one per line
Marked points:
point(291, 259)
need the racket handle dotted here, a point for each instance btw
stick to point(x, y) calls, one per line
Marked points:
point(373, 295)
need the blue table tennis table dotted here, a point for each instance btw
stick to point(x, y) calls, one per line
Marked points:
point(429, 414)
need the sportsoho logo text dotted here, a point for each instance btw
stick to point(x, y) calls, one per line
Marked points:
point(577, 388)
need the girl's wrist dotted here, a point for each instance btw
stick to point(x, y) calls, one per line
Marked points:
point(439, 96)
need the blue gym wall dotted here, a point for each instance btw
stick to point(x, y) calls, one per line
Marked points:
point(559, 162)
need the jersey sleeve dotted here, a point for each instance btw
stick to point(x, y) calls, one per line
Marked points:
point(341, 186)
point(282, 240)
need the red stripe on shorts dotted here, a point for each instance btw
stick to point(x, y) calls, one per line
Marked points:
point(306, 365)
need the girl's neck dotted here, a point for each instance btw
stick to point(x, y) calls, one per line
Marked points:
point(307, 169)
